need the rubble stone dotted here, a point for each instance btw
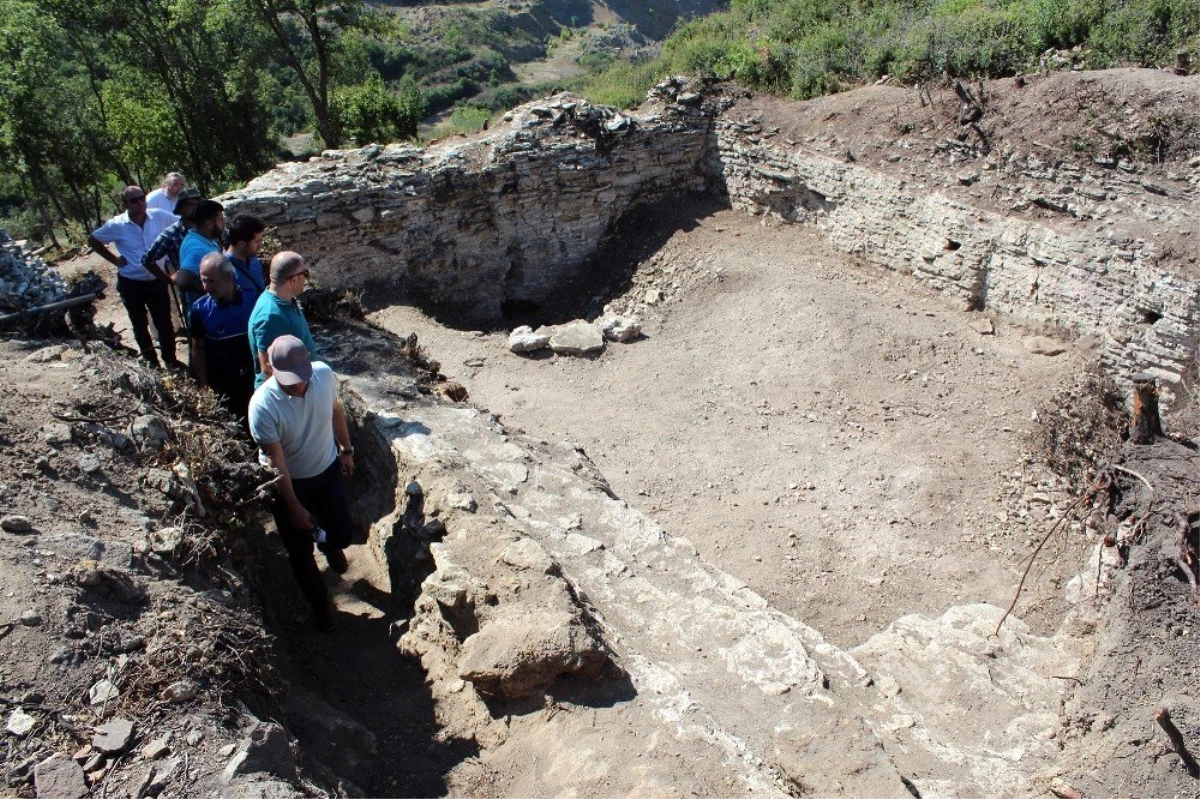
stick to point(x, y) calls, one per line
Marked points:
point(59, 777)
point(113, 737)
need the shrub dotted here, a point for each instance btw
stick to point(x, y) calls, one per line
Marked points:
point(370, 114)
point(624, 85)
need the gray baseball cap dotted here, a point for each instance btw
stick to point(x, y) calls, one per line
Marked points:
point(290, 362)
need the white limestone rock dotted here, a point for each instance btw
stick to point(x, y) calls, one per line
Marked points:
point(578, 338)
point(619, 329)
point(1043, 345)
point(524, 339)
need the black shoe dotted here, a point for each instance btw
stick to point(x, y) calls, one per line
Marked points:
point(336, 559)
point(323, 619)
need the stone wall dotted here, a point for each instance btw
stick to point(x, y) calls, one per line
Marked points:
point(1037, 273)
point(508, 217)
point(513, 216)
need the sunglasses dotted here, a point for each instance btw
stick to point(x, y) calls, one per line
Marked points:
point(303, 272)
point(138, 199)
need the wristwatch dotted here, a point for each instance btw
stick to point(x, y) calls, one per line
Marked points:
point(345, 450)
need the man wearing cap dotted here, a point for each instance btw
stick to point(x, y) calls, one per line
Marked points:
point(166, 198)
point(143, 291)
point(277, 313)
point(217, 328)
point(298, 422)
point(168, 242)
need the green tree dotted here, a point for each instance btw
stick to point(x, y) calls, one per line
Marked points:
point(308, 38)
point(368, 113)
point(53, 139)
point(412, 108)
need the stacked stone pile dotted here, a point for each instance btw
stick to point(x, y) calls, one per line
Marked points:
point(26, 282)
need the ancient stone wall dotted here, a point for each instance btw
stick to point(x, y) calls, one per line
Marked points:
point(467, 227)
point(1076, 279)
point(514, 216)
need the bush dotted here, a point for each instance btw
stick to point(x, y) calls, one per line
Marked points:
point(624, 85)
point(370, 114)
point(442, 97)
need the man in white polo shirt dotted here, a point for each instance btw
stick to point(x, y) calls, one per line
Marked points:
point(143, 289)
point(298, 421)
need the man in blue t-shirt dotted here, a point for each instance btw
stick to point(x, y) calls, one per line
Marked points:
point(208, 223)
point(245, 234)
point(218, 326)
point(277, 313)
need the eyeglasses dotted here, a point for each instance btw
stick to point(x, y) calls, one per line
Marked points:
point(303, 272)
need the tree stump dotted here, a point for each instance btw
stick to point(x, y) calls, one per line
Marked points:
point(1182, 63)
point(1146, 426)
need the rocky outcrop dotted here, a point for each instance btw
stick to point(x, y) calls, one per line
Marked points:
point(470, 226)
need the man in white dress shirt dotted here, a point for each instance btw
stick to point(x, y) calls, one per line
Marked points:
point(165, 197)
point(142, 292)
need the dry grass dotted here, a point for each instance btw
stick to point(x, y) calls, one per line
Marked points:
point(1079, 425)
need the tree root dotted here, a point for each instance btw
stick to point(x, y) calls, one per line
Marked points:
point(1103, 482)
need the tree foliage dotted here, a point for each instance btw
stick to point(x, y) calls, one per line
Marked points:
point(810, 47)
point(98, 94)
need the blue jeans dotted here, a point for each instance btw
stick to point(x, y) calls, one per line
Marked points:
point(324, 496)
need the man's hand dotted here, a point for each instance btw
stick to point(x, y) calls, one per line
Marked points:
point(347, 459)
point(300, 518)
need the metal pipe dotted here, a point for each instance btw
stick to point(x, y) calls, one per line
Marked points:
point(70, 302)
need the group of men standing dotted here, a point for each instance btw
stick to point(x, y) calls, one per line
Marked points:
point(251, 345)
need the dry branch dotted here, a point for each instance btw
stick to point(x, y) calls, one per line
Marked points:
point(1163, 717)
point(1102, 482)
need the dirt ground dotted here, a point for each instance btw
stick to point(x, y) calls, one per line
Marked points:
point(852, 453)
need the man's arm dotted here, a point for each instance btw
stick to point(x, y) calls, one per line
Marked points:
point(264, 364)
point(158, 250)
point(341, 434)
point(300, 518)
point(187, 280)
point(102, 250)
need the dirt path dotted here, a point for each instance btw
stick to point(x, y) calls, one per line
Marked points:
point(831, 436)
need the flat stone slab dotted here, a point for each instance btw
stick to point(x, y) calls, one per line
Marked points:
point(112, 738)
point(114, 554)
point(577, 338)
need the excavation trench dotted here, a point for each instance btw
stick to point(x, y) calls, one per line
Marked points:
point(771, 538)
point(745, 505)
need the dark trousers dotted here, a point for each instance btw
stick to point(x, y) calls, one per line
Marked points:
point(146, 300)
point(324, 496)
point(234, 391)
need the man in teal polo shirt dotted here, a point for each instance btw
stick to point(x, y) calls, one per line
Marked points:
point(277, 313)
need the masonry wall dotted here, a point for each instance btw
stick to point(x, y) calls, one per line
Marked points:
point(465, 227)
point(514, 216)
point(1038, 274)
